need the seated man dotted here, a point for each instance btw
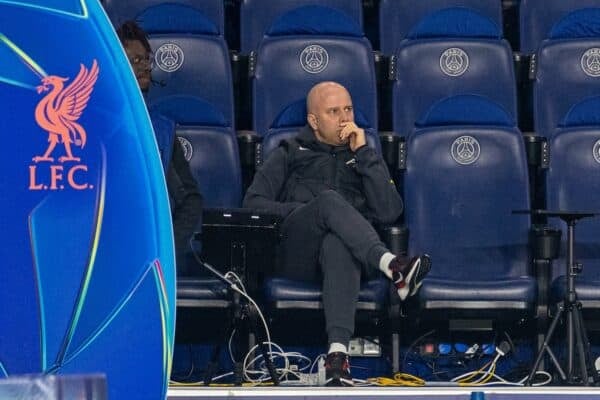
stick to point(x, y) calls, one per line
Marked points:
point(184, 196)
point(329, 186)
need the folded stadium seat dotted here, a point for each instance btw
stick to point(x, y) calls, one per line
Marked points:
point(398, 18)
point(573, 184)
point(452, 52)
point(257, 16)
point(567, 69)
point(169, 15)
point(462, 183)
point(282, 295)
point(303, 47)
point(538, 17)
point(214, 161)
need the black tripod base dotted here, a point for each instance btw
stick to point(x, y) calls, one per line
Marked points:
point(243, 315)
point(577, 348)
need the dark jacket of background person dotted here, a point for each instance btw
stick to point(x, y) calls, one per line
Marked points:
point(184, 197)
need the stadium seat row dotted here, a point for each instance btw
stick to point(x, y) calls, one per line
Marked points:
point(396, 18)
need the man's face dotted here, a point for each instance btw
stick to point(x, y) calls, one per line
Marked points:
point(332, 109)
point(140, 61)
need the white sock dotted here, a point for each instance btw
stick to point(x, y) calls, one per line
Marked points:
point(337, 347)
point(384, 263)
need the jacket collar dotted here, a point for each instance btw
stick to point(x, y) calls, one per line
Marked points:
point(306, 138)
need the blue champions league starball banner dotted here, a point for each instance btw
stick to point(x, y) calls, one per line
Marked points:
point(87, 279)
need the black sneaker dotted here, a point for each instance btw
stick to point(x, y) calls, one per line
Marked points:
point(337, 370)
point(408, 277)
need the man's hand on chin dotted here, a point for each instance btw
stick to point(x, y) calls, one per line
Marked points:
point(355, 135)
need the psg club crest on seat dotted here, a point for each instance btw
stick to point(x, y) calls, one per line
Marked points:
point(465, 150)
point(188, 149)
point(596, 151)
point(454, 62)
point(590, 62)
point(314, 59)
point(169, 57)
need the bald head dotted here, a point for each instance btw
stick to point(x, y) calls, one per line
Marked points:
point(317, 93)
point(329, 108)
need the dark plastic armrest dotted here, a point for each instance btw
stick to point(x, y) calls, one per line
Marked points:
point(546, 242)
point(536, 148)
point(248, 145)
point(395, 237)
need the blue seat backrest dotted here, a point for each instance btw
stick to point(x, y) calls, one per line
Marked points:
point(399, 18)
point(298, 52)
point(567, 76)
point(429, 70)
point(573, 184)
point(461, 185)
point(182, 16)
point(194, 79)
point(287, 67)
point(214, 162)
point(257, 16)
point(539, 17)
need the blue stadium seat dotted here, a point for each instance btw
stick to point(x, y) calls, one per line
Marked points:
point(573, 184)
point(461, 184)
point(539, 19)
point(194, 83)
point(462, 57)
point(214, 161)
point(431, 70)
point(399, 19)
point(567, 74)
point(287, 65)
point(161, 16)
point(257, 16)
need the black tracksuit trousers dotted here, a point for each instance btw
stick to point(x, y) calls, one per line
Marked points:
point(328, 239)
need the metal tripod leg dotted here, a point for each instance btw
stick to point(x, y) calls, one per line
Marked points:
point(263, 347)
point(546, 348)
point(586, 341)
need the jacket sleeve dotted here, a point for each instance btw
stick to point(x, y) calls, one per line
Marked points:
point(380, 191)
point(187, 208)
point(269, 180)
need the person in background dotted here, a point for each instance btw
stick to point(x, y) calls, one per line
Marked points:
point(184, 195)
point(329, 187)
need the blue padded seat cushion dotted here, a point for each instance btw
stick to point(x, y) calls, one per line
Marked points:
point(201, 289)
point(281, 289)
point(295, 115)
point(522, 289)
point(582, 23)
point(455, 22)
point(189, 110)
point(169, 18)
point(465, 109)
point(315, 20)
point(584, 113)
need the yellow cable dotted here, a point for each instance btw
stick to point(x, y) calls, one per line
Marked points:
point(399, 379)
point(467, 378)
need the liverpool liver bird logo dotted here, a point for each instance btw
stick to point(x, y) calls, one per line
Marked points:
point(58, 112)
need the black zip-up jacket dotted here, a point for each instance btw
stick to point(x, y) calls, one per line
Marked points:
point(301, 168)
point(186, 205)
